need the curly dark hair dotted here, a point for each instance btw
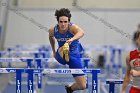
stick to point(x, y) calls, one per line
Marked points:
point(63, 12)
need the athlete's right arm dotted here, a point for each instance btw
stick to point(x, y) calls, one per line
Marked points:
point(135, 73)
point(127, 75)
point(52, 40)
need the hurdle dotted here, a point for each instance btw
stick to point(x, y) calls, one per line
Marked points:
point(112, 83)
point(38, 62)
point(32, 71)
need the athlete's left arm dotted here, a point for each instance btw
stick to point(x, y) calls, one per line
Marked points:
point(77, 31)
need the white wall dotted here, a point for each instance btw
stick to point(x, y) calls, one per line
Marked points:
point(83, 3)
point(23, 27)
point(119, 4)
point(44, 3)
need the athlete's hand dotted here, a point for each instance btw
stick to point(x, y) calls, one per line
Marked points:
point(134, 73)
point(69, 41)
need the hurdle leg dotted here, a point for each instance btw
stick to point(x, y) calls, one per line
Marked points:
point(39, 75)
point(29, 63)
point(95, 81)
point(18, 81)
point(30, 81)
point(86, 61)
point(112, 84)
point(111, 87)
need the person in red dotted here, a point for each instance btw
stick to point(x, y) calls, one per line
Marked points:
point(133, 69)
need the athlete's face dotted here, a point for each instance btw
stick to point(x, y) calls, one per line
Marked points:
point(63, 23)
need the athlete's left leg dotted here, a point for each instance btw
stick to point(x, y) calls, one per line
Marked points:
point(80, 80)
point(80, 83)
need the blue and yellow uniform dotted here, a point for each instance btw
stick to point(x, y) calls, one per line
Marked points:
point(75, 50)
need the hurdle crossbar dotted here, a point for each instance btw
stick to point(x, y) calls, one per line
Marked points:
point(112, 83)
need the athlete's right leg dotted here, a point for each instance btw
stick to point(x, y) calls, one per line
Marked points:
point(60, 51)
point(64, 52)
point(59, 57)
